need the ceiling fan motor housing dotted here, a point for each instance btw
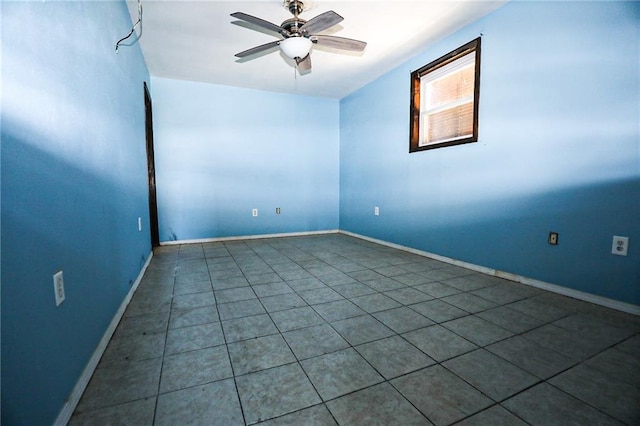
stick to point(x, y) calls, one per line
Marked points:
point(293, 25)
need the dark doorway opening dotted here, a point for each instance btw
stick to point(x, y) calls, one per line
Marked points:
point(151, 169)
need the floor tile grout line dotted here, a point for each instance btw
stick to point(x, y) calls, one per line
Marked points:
point(544, 322)
point(584, 402)
point(224, 335)
point(539, 379)
point(496, 404)
point(479, 347)
point(444, 321)
point(166, 338)
point(379, 292)
point(353, 347)
point(297, 360)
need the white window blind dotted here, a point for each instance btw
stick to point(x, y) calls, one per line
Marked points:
point(447, 96)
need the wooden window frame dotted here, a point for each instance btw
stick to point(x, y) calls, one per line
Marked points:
point(416, 76)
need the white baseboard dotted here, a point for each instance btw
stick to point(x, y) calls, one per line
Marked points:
point(249, 237)
point(74, 398)
point(576, 294)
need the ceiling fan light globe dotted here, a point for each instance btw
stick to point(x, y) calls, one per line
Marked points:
point(296, 47)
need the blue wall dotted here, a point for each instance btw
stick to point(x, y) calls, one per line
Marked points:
point(223, 151)
point(558, 150)
point(73, 186)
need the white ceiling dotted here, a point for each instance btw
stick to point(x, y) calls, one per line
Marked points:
point(196, 40)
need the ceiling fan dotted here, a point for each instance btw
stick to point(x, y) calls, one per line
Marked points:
point(300, 35)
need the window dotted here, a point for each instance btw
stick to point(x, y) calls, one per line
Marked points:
point(444, 100)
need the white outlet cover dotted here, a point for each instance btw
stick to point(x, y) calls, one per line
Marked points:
point(254, 212)
point(620, 245)
point(376, 211)
point(58, 287)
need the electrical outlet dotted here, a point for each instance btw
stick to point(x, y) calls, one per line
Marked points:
point(620, 245)
point(376, 211)
point(254, 212)
point(277, 210)
point(553, 238)
point(58, 287)
point(139, 223)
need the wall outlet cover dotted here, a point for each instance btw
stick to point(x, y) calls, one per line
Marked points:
point(58, 287)
point(620, 245)
point(553, 238)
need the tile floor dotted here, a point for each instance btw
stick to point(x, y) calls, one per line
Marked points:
point(331, 329)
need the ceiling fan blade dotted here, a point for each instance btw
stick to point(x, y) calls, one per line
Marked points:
point(321, 22)
point(339, 42)
point(260, 22)
point(304, 64)
point(258, 49)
